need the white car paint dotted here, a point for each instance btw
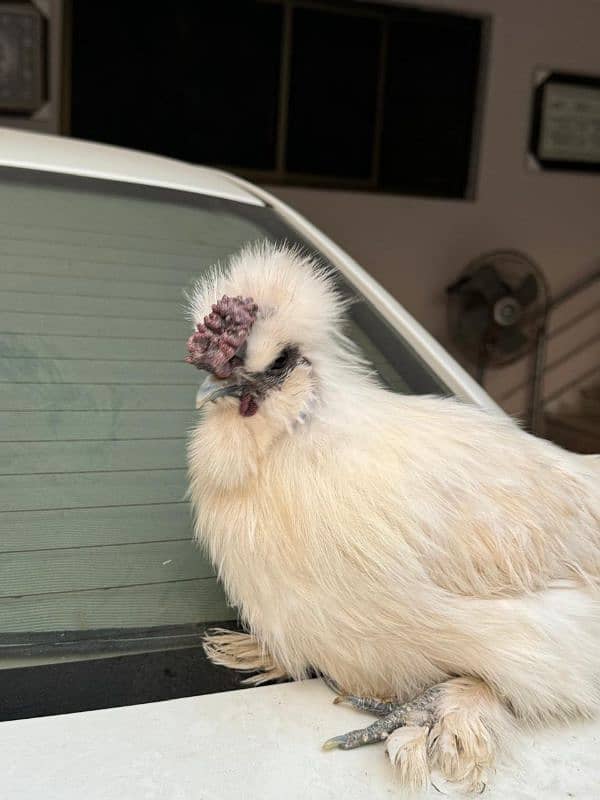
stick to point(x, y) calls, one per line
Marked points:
point(58, 154)
point(253, 744)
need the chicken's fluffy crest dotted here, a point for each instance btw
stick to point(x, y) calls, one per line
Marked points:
point(296, 298)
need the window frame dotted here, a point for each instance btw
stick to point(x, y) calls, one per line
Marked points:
point(386, 13)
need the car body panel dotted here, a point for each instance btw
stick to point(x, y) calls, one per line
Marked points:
point(256, 743)
point(35, 151)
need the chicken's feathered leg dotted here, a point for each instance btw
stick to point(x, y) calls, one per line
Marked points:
point(406, 729)
point(454, 726)
point(242, 651)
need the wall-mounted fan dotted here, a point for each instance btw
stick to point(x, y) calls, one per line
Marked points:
point(496, 307)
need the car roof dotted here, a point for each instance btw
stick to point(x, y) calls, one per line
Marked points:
point(64, 155)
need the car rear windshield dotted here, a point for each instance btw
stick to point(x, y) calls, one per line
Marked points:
point(96, 552)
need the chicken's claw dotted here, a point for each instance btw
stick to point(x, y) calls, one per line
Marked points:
point(348, 741)
point(333, 743)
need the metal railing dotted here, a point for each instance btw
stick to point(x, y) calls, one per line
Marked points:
point(540, 365)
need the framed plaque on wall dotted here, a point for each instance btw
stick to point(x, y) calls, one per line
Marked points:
point(22, 58)
point(565, 129)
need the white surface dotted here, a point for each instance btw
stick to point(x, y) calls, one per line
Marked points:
point(88, 159)
point(249, 745)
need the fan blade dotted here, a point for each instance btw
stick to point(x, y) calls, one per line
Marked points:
point(528, 291)
point(473, 323)
point(509, 340)
point(487, 282)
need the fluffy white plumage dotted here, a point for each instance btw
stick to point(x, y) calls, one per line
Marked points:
point(394, 542)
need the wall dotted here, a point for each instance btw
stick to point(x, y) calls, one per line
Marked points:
point(416, 246)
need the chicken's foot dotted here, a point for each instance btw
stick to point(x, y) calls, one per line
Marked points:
point(417, 713)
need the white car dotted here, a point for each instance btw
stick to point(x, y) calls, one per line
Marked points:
point(103, 596)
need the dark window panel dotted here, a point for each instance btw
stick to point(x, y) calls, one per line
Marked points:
point(333, 91)
point(201, 82)
point(430, 102)
point(197, 81)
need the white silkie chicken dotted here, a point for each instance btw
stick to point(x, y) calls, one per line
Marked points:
point(416, 549)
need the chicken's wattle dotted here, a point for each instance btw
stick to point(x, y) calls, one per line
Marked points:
point(248, 405)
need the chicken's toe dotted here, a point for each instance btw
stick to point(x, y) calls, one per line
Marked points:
point(372, 705)
point(358, 738)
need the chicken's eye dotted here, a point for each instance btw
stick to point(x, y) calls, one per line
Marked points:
point(279, 363)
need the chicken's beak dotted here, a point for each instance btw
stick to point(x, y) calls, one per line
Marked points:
point(213, 388)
